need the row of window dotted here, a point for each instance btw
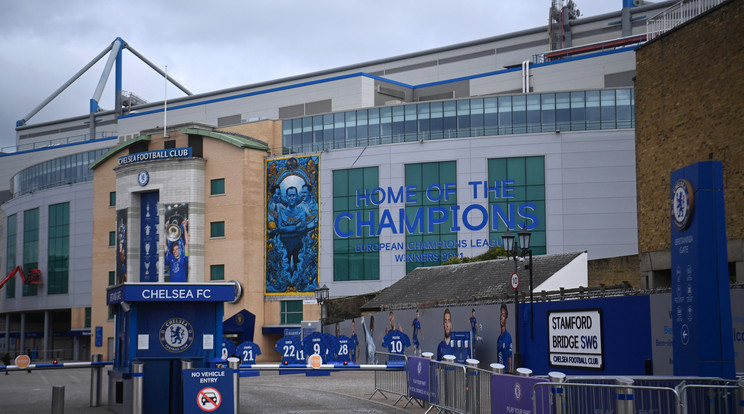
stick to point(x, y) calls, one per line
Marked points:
point(58, 259)
point(54, 173)
point(502, 115)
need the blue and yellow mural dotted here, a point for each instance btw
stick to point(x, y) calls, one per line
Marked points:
point(292, 225)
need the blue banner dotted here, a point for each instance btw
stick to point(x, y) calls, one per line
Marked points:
point(149, 236)
point(419, 385)
point(513, 394)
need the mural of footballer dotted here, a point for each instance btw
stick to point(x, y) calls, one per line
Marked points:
point(291, 225)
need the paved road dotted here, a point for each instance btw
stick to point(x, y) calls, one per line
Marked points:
point(346, 392)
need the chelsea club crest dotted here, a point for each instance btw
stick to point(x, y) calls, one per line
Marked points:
point(176, 335)
point(143, 178)
point(682, 203)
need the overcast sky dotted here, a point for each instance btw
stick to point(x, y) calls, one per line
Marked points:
point(216, 44)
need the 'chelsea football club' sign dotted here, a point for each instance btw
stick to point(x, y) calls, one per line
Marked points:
point(162, 154)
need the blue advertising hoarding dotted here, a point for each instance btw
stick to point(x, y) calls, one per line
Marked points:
point(513, 394)
point(419, 380)
point(701, 300)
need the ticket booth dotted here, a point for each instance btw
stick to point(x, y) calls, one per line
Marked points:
point(161, 325)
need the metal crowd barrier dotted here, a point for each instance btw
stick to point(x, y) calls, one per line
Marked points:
point(392, 382)
point(640, 394)
point(459, 388)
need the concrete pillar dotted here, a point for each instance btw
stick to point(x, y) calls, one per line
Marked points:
point(58, 399)
point(7, 332)
point(46, 353)
point(22, 343)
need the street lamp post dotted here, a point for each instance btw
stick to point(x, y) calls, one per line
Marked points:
point(321, 295)
point(511, 250)
point(524, 243)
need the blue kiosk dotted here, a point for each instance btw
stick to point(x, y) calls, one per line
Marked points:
point(160, 325)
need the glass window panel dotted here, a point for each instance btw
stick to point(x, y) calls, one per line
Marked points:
point(338, 130)
point(217, 186)
point(374, 125)
point(217, 272)
point(398, 127)
point(340, 182)
point(217, 229)
point(410, 123)
point(535, 170)
point(548, 112)
point(515, 168)
point(370, 177)
point(328, 131)
point(317, 133)
point(593, 116)
point(491, 116)
point(463, 118)
point(505, 114)
point(578, 111)
point(436, 113)
point(423, 120)
point(533, 113)
point(361, 130)
point(476, 117)
point(413, 175)
point(356, 266)
point(608, 109)
point(563, 111)
point(450, 119)
point(372, 266)
point(624, 109)
point(296, 133)
point(519, 114)
point(386, 124)
point(307, 133)
point(340, 267)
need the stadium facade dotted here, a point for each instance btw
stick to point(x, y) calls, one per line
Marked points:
point(349, 178)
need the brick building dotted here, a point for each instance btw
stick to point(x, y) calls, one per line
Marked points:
point(689, 108)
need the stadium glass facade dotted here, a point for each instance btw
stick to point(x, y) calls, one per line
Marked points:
point(502, 115)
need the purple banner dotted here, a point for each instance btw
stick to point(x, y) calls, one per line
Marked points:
point(418, 378)
point(513, 394)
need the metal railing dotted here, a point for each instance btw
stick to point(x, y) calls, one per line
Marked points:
point(392, 382)
point(677, 14)
point(96, 365)
point(641, 394)
point(50, 143)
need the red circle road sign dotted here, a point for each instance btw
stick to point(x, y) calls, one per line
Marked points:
point(22, 361)
point(209, 399)
point(515, 281)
